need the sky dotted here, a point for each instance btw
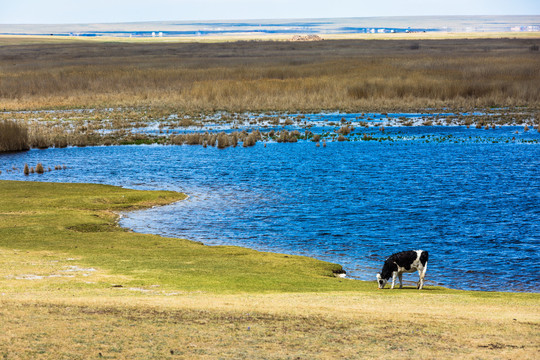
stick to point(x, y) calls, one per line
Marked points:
point(114, 11)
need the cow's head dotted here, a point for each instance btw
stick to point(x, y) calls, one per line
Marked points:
point(381, 282)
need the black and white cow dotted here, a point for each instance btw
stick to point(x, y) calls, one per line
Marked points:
point(406, 261)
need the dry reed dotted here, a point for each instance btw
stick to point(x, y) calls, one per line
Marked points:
point(39, 168)
point(351, 75)
point(13, 136)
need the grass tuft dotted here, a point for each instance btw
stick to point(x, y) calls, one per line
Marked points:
point(13, 136)
point(39, 168)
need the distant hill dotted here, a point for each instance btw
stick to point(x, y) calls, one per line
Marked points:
point(288, 26)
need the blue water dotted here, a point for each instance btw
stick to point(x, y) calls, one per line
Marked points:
point(474, 205)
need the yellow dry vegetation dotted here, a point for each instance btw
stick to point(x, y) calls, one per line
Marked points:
point(380, 325)
point(344, 74)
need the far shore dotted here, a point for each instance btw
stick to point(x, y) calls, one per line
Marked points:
point(349, 74)
point(13, 39)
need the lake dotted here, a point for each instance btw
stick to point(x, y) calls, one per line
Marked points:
point(471, 197)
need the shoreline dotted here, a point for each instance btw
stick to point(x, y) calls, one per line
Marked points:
point(338, 274)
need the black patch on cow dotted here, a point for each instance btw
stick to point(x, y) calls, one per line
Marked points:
point(424, 258)
point(388, 268)
point(404, 259)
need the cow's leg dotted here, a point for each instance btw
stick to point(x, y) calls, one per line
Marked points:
point(421, 274)
point(394, 274)
point(400, 280)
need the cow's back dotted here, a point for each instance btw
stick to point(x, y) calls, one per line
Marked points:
point(405, 259)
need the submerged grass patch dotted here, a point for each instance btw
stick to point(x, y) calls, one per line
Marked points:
point(95, 127)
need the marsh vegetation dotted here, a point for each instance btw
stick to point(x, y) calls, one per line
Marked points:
point(77, 93)
point(350, 75)
point(13, 136)
point(122, 126)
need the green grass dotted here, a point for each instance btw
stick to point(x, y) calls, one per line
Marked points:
point(80, 221)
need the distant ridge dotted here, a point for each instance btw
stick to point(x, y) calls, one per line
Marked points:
point(524, 23)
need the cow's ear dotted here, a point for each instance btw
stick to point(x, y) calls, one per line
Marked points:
point(378, 276)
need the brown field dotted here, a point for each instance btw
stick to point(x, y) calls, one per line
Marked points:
point(374, 325)
point(344, 74)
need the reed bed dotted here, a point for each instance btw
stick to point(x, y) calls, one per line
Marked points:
point(350, 75)
point(45, 129)
point(13, 136)
point(102, 92)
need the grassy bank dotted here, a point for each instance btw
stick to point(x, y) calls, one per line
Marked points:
point(55, 217)
point(344, 74)
point(74, 285)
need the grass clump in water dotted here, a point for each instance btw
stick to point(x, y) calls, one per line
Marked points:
point(13, 136)
point(39, 168)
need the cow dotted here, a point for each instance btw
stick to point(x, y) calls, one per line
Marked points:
point(405, 261)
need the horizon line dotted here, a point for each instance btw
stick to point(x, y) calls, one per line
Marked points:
point(269, 19)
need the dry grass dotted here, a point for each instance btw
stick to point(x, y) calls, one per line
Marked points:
point(285, 326)
point(13, 136)
point(53, 306)
point(352, 75)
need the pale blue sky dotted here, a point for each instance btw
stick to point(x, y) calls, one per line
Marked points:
point(94, 11)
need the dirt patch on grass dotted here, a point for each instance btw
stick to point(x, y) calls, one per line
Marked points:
point(87, 228)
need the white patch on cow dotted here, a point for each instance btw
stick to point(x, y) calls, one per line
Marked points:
point(381, 282)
